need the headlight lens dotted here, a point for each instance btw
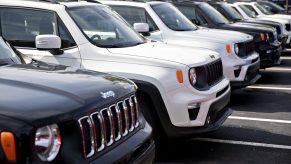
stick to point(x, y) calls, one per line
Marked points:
point(192, 76)
point(47, 142)
point(236, 49)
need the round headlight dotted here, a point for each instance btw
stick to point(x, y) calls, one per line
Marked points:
point(192, 76)
point(236, 49)
point(47, 142)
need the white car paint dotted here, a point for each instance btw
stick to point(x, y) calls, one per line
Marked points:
point(212, 39)
point(276, 18)
point(154, 62)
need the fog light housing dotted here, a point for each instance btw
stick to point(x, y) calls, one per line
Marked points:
point(193, 110)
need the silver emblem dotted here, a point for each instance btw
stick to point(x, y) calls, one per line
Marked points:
point(107, 94)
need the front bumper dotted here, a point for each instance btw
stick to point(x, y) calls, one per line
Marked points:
point(139, 148)
point(251, 76)
point(214, 116)
point(269, 55)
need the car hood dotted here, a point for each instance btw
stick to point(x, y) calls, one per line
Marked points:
point(40, 92)
point(280, 16)
point(214, 35)
point(280, 20)
point(168, 53)
point(249, 28)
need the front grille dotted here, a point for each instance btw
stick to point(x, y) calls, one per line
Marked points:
point(287, 26)
point(245, 49)
point(208, 75)
point(102, 128)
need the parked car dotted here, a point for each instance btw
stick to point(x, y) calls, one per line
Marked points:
point(233, 16)
point(169, 25)
point(58, 114)
point(180, 88)
point(249, 14)
point(272, 7)
point(265, 37)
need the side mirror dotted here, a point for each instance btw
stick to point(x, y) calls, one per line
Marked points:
point(142, 28)
point(50, 43)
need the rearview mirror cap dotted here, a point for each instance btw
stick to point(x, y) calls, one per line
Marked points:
point(142, 28)
point(51, 43)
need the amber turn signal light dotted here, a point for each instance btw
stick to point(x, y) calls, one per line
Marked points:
point(179, 75)
point(262, 35)
point(228, 48)
point(8, 145)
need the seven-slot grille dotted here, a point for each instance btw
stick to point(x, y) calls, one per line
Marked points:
point(102, 128)
point(214, 72)
point(208, 75)
point(245, 49)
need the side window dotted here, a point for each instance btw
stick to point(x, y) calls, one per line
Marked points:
point(21, 26)
point(189, 12)
point(201, 19)
point(222, 12)
point(251, 9)
point(67, 39)
point(136, 15)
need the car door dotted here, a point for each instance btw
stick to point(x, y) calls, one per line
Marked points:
point(139, 15)
point(20, 26)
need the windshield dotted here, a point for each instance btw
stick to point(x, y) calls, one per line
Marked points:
point(247, 11)
point(172, 17)
point(231, 12)
point(274, 5)
point(213, 14)
point(104, 27)
point(7, 55)
point(263, 9)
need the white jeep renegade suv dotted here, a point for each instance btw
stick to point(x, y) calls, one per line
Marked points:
point(182, 88)
point(167, 24)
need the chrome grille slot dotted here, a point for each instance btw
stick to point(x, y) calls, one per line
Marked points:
point(87, 136)
point(124, 119)
point(102, 128)
point(108, 126)
point(129, 110)
point(135, 106)
point(116, 121)
point(99, 130)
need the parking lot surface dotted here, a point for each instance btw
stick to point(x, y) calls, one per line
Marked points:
point(258, 131)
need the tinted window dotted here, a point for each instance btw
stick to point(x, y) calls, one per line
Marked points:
point(104, 27)
point(135, 15)
point(263, 10)
point(7, 55)
point(233, 14)
point(21, 26)
point(250, 8)
point(172, 17)
point(213, 14)
point(248, 12)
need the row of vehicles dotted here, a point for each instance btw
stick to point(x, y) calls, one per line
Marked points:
point(163, 72)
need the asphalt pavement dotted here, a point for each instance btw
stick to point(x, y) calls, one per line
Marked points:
point(258, 131)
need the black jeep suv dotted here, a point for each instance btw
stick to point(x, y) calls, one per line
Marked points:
point(265, 37)
point(58, 114)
